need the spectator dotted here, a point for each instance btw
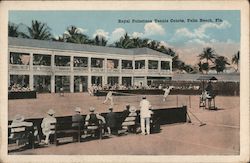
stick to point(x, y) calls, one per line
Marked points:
point(93, 120)
point(77, 119)
point(111, 121)
point(48, 126)
point(19, 122)
point(129, 123)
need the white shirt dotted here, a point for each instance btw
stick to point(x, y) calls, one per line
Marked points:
point(145, 105)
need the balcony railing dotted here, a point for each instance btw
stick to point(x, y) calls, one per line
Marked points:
point(80, 69)
point(113, 70)
point(153, 71)
point(62, 68)
point(18, 67)
point(165, 72)
point(42, 68)
point(127, 70)
point(94, 69)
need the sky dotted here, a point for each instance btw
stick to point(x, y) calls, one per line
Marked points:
point(188, 32)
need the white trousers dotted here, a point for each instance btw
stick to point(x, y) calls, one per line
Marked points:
point(147, 120)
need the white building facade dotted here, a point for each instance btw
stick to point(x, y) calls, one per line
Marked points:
point(46, 66)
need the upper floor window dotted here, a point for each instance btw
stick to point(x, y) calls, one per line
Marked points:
point(62, 60)
point(97, 62)
point(165, 65)
point(112, 63)
point(42, 59)
point(80, 62)
point(152, 64)
point(140, 64)
point(127, 64)
point(19, 58)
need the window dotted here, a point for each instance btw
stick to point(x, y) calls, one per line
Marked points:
point(97, 62)
point(19, 58)
point(80, 62)
point(41, 59)
point(112, 63)
point(127, 64)
point(165, 65)
point(62, 60)
point(152, 64)
point(140, 64)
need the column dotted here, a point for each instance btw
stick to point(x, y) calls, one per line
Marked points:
point(89, 64)
point(146, 65)
point(71, 63)
point(145, 81)
point(171, 64)
point(120, 65)
point(120, 80)
point(31, 76)
point(52, 83)
point(159, 66)
point(71, 74)
point(31, 81)
point(104, 79)
point(89, 81)
point(133, 63)
point(52, 80)
point(105, 65)
point(71, 83)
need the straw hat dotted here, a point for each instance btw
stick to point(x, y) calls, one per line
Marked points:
point(51, 112)
point(18, 118)
point(78, 109)
point(132, 109)
point(91, 109)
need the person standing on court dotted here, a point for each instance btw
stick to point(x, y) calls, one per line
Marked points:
point(109, 96)
point(145, 115)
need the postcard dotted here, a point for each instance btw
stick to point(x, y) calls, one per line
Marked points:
point(123, 81)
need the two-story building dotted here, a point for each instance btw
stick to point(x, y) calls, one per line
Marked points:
point(46, 66)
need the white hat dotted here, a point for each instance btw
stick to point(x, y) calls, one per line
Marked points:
point(18, 118)
point(78, 109)
point(132, 109)
point(51, 112)
point(91, 109)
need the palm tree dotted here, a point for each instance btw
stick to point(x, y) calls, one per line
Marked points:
point(209, 55)
point(140, 43)
point(220, 64)
point(13, 30)
point(236, 60)
point(125, 42)
point(74, 35)
point(100, 41)
point(203, 67)
point(38, 30)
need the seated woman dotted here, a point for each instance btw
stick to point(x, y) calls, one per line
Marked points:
point(129, 123)
point(21, 130)
point(48, 126)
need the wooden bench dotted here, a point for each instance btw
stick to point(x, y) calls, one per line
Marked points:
point(100, 129)
point(21, 136)
point(65, 129)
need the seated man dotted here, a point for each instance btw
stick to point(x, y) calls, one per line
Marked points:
point(77, 121)
point(92, 121)
point(111, 121)
point(47, 125)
